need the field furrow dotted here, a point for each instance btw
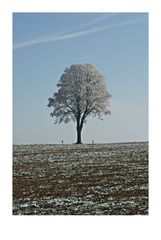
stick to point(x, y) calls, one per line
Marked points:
point(96, 179)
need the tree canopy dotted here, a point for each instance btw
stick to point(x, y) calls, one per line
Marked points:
point(81, 93)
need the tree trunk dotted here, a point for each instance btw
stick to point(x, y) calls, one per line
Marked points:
point(79, 130)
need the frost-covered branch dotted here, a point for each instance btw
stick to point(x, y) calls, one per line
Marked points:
point(81, 93)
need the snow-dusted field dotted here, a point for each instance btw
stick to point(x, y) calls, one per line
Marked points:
point(97, 179)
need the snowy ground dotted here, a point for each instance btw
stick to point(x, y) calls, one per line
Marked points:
point(97, 179)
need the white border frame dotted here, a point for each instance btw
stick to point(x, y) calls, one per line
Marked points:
point(114, 227)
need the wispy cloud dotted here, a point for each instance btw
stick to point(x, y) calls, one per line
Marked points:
point(102, 18)
point(70, 33)
point(78, 32)
point(86, 58)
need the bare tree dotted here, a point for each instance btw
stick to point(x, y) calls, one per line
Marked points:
point(81, 93)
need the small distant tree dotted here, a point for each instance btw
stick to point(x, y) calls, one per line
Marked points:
point(81, 93)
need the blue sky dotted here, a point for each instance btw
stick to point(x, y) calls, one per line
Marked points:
point(44, 44)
